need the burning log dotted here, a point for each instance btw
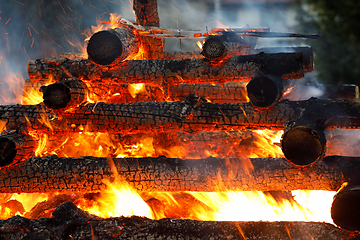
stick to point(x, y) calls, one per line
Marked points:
point(146, 13)
point(170, 72)
point(217, 48)
point(68, 221)
point(303, 142)
point(15, 146)
point(345, 210)
point(189, 115)
point(105, 47)
point(87, 174)
point(264, 91)
point(66, 94)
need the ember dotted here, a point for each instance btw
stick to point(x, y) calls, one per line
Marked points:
point(211, 137)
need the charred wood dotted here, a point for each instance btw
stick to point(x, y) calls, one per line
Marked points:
point(68, 221)
point(87, 174)
point(170, 72)
point(219, 47)
point(306, 52)
point(66, 94)
point(105, 47)
point(303, 142)
point(146, 13)
point(264, 91)
point(15, 146)
point(345, 209)
point(189, 115)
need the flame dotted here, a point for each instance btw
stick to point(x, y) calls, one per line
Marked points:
point(134, 89)
point(121, 200)
point(199, 44)
point(111, 23)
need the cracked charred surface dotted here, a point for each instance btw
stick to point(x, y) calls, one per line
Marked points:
point(70, 222)
point(87, 174)
point(166, 73)
point(189, 115)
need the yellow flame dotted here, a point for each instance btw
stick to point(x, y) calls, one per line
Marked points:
point(135, 89)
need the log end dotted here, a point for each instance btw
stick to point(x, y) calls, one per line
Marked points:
point(263, 91)
point(104, 47)
point(345, 210)
point(302, 145)
point(7, 151)
point(214, 48)
point(56, 96)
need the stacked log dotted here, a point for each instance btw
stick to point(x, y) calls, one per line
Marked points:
point(158, 174)
point(170, 72)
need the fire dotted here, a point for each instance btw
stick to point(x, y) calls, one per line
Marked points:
point(134, 89)
point(122, 200)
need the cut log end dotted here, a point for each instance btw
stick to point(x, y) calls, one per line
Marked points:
point(214, 48)
point(104, 47)
point(345, 210)
point(263, 91)
point(56, 96)
point(7, 151)
point(302, 145)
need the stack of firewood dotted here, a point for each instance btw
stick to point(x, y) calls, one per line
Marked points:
point(184, 93)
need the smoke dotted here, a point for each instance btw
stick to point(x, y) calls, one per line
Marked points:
point(32, 29)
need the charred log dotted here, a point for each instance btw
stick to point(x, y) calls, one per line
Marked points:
point(66, 94)
point(345, 210)
point(190, 115)
point(146, 13)
point(217, 48)
point(87, 174)
point(264, 91)
point(68, 221)
point(306, 52)
point(303, 142)
point(15, 146)
point(105, 47)
point(170, 72)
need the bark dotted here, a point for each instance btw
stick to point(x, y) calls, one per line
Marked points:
point(15, 146)
point(87, 174)
point(190, 115)
point(170, 72)
point(345, 210)
point(146, 13)
point(66, 94)
point(105, 47)
point(69, 222)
